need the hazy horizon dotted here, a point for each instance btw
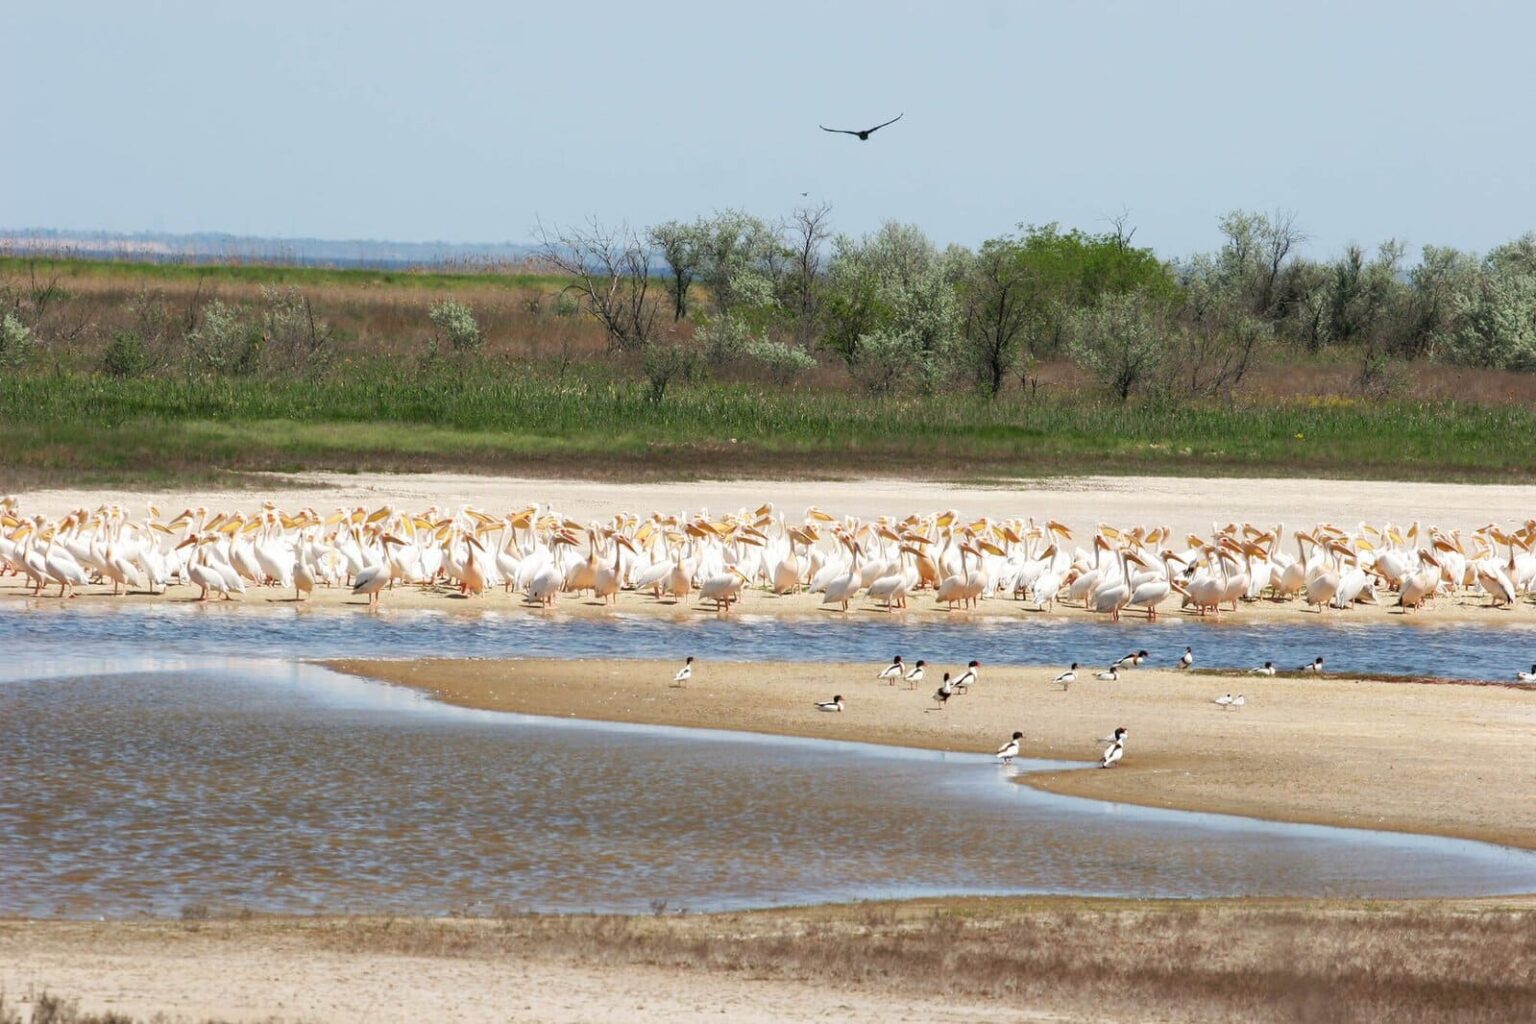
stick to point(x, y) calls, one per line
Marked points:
point(373, 122)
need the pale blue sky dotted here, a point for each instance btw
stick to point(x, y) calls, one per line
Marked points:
point(471, 120)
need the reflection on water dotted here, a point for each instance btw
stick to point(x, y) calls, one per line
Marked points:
point(84, 631)
point(283, 787)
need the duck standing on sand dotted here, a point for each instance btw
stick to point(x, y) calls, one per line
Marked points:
point(1067, 678)
point(963, 684)
point(1010, 750)
point(684, 674)
point(943, 693)
point(916, 675)
point(893, 671)
point(1115, 750)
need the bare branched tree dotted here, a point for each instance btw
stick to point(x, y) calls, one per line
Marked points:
point(806, 236)
point(612, 272)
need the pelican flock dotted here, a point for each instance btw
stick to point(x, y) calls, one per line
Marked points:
point(876, 564)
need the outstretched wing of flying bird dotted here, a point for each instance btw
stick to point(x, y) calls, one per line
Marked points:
point(862, 133)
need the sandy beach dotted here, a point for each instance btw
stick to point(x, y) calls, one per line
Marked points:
point(1186, 504)
point(1441, 759)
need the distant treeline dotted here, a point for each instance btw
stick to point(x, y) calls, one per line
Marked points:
point(903, 314)
point(792, 302)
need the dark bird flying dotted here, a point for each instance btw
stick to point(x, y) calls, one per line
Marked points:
point(867, 132)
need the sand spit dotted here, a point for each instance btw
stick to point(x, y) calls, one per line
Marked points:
point(1436, 759)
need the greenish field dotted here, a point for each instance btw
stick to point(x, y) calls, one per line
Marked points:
point(123, 272)
point(496, 417)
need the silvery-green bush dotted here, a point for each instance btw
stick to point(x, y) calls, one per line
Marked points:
point(456, 322)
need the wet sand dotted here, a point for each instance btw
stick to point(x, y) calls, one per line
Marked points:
point(15, 591)
point(1442, 759)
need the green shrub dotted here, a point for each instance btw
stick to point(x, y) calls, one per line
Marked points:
point(15, 340)
point(125, 356)
point(456, 322)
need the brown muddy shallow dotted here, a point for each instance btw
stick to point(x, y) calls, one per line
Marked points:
point(154, 787)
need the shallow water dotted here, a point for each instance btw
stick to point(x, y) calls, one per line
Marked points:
point(1455, 651)
point(135, 785)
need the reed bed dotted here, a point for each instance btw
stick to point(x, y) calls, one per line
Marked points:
point(1101, 959)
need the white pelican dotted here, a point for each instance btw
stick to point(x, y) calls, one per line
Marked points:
point(916, 675)
point(303, 578)
point(835, 704)
point(63, 569)
point(202, 574)
point(964, 587)
point(1323, 584)
point(963, 684)
point(841, 588)
point(1114, 591)
point(1266, 669)
point(684, 674)
point(1149, 593)
point(1527, 677)
point(1067, 678)
point(606, 580)
point(374, 577)
point(120, 570)
point(1186, 659)
point(892, 672)
point(1010, 750)
point(1116, 749)
point(1109, 675)
point(1315, 666)
point(891, 589)
point(723, 588)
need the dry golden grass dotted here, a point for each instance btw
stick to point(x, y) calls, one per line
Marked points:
point(519, 310)
point(1083, 959)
